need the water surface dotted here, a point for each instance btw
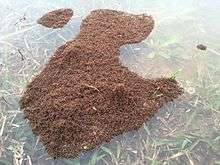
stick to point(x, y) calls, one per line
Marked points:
point(186, 131)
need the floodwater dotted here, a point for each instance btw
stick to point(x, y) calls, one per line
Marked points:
point(186, 131)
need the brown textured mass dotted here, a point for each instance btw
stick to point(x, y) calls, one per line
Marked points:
point(56, 19)
point(84, 96)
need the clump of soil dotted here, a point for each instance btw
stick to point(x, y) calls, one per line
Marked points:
point(84, 96)
point(201, 47)
point(56, 19)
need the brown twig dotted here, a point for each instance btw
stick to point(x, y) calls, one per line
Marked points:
point(22, 56)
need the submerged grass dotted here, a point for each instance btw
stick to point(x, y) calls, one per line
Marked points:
point(175, 74)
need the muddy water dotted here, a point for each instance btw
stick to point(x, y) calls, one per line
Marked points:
point(183, 132)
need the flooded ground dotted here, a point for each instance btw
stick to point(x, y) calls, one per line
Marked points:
point(184, 132)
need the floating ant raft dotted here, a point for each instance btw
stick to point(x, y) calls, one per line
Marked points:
point(84, 96)
point(56, 19)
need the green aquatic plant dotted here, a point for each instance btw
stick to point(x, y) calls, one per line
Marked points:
point(175, 74)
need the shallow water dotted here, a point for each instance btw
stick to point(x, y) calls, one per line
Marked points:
point(183, 132)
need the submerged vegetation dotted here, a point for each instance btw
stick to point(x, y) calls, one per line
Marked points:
point(175, 74)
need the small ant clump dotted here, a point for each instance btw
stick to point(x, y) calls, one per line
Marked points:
point(201, 47)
